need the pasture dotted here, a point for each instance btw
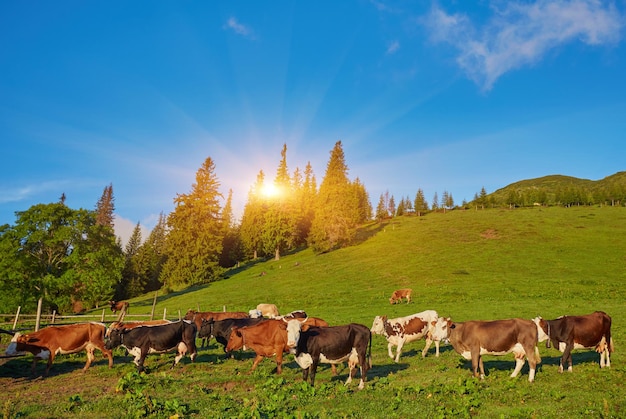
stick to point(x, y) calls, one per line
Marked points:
point(469, 265)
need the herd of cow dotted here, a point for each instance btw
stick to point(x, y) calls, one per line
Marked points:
point(312, 341)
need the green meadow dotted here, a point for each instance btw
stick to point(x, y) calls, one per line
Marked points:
point(468, 265)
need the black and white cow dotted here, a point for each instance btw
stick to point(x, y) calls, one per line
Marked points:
point(577, 332)
point(407, 329)
point(334, 345)
point(144, 340)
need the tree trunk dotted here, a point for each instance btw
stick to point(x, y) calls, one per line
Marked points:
point(277, 254)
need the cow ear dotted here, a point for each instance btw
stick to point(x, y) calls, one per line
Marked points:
point(453, 326)
point(305, 327)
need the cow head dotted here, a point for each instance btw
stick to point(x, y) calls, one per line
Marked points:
point(293, 332)
point(255, 314)
point(543, 330)
point(190, 315)
point(235, 342)
point(20, 344)
point(206, 328)
point(440, 329)
point(114, 337)
point(378, 327)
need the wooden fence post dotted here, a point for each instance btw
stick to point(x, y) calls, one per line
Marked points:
point(17, 316)
point(165, 313)
point(102, 318)
point(38, 319)
point(154, 305)
point(54, 314)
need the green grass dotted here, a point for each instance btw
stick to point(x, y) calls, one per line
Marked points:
point(488, 264)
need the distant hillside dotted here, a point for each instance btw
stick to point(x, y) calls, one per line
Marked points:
point(560, 190)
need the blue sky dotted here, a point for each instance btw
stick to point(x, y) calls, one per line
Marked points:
point(439, 95)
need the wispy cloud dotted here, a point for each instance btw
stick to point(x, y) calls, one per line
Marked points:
point(393, 47)
point(22, 193)
point(520, 34)
point(239, 28)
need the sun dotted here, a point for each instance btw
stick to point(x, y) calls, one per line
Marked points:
point(270, 190)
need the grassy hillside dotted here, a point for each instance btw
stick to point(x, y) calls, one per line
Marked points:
point(465, 264)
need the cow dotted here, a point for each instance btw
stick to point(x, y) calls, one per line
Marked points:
point(67, 339)
point(398, 295)
point(575, 332)
point(407, 329)
point(265, 310)
point(221, 329)
point(473, 339)
point(198, 316)
point(269, 338)
point(143, 340)
point(334, 345)
point(119, 306)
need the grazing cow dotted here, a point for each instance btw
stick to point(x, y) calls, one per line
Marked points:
point(269, 338)
point(576, 332)
point(334, 345)
point(143, 340)
point(472, 339)
point(398, 295)
point(407, 329)
point(68, 339)
point(119, 306)
point(221, 329)
point(265, 310)
point(198, 316)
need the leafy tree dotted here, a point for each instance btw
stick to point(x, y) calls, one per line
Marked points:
point(334, 225)
point(133, 279)
point(196, 233)
point(59, 255)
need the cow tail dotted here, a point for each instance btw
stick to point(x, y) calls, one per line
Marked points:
point(369, 352)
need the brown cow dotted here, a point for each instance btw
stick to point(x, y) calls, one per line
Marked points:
point(198, 316)
point(266, 339)
point(472, 339)
point(398, 295)
point(576, 332)
point(68, 339)
point(119, 306)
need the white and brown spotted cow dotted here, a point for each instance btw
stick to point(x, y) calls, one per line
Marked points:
point(577, 332)
point(473, 339)
point(407, 329)
point(398, 295)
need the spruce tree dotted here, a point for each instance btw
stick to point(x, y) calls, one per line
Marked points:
point(195, 237)
point(105, 208)
point(333, 226)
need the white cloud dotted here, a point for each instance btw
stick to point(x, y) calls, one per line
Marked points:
point(124, 229)
point(239, 28)
point(393, 47)
point(520, 34)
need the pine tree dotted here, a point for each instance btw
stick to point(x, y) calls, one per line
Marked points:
point(131, 284)
point(252, 220)
point(333, 226)
point(194, 241)
point(279, 231)
point(105, 208)
point(420, 203)
point(381, 209)
point(232, 251)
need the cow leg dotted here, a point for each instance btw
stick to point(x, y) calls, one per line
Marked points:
point(429, 341)
point(567, 357)
point(390, 351)
point(108, 354)
point(50, 359)
point(333, 369)
point(32, 370)
point(313, 369)
point(519, 363)
point(279, 362)
point(437, 348)
point(399, 350)
point(258, 359)
point(90, 357)
point(305, 373)
point(476, 363)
